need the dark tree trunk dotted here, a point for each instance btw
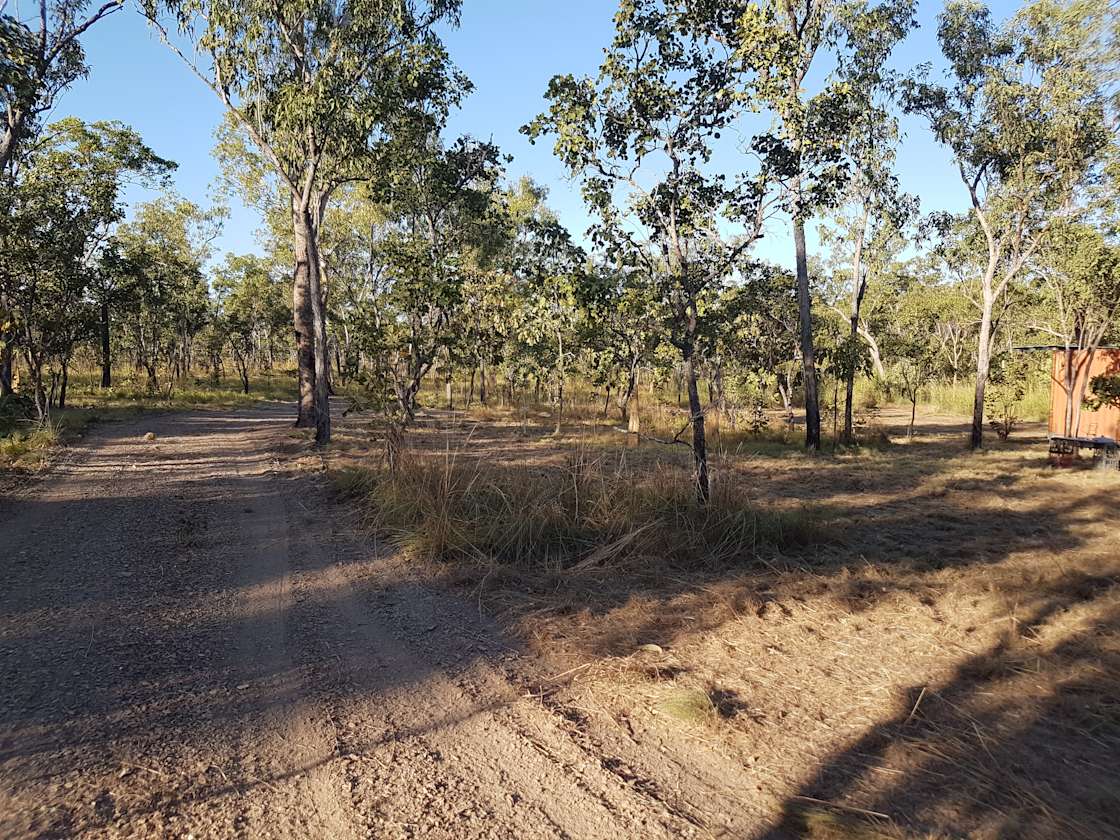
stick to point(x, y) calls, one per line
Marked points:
point(322, 363)
point(65, 380)
point(5, 368)
point(35, 372)
point(302, 318)
point(699, 443)
point(242, 363)
point(106, 353)
point(808, 357)
point(633, 414)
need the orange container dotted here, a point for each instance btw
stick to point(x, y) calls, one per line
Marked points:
point(1104, 422)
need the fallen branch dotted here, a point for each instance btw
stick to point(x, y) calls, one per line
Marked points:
point(676, 439)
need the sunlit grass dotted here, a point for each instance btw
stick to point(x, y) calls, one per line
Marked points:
point(957, 399)
point(189, 393)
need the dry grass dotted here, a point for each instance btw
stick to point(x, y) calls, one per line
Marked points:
point(585, 514)
point(941, 646)
point(27, 450)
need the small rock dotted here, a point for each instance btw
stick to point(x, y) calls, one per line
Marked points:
point(150, 436)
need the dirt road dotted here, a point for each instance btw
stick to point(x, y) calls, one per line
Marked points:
point(194, 643)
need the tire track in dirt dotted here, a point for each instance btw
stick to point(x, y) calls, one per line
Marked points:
point(195, 643)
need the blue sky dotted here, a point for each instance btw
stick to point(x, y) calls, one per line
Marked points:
point(509, 49)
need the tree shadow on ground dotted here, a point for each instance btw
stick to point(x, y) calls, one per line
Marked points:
point(1020, 742)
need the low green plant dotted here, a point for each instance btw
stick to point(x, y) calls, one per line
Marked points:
point(1004, 395)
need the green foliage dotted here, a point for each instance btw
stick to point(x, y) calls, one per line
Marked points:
point(1023, 113)
point(1079, 271)
point(317, 84)
point(816, 137)
point(250, 314)
point(159, 258)
point(61, 203)
point(664, 93)
point(444, 230)
point(36, 65)
point(1104, 392)
point(648, 125)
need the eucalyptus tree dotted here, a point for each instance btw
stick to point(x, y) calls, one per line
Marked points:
point(782, 42)
point(315, 85)
point(350, 239)
point(546, 271)
point(63, 200)
point(41, 56)
point(912, 341)
point(444, 226)
point(42, 266)
point(764, 326)
point(640, 137)
point(1023, 115)
point(249, 309)
point(873, 211)
point(623, 327)
point(951, 311)
point(548, 268)
point(161, 254)
point(866, 236)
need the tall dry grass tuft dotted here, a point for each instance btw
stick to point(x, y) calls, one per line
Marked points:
point(584, 515)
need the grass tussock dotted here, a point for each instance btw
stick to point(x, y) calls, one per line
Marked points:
point(581, 516)
point(688, 705)
point(27, 451)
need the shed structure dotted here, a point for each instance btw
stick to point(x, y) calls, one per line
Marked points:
point(1086, 423)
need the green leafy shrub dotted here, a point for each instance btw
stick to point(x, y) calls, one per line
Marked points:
point(1003, 397)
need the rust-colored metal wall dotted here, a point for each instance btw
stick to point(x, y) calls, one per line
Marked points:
point(1102, 423)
